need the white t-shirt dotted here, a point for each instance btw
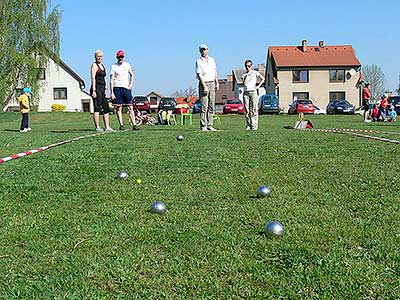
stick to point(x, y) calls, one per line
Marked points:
point(207, 68)
point(250, 80)
point(121, 74)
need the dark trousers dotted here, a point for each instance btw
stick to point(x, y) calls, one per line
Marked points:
point(24, 121)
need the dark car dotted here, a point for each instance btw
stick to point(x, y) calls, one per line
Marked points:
point(196, 107)
point(395, 102)
point(142, 103)
point(167, 103)
point(340, 107)
point(233, 106)
point(268, 103)
point(304, 106)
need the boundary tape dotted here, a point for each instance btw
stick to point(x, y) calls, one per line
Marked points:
point(41, 149)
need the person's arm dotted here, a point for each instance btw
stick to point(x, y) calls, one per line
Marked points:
point(105, 87)
point(112, 83)
point(262, 80)
point(93, 79)
point(132, 73)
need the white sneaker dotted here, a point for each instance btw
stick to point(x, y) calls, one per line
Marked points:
point(99, 129)
point(248, 128)
point(28, 129)
point(204, 129)
point(24, 130)
point(109, 129)
point(212, 129)
point(367, 121)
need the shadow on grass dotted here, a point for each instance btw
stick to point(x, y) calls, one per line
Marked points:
point(71, 130)
point(12, 130)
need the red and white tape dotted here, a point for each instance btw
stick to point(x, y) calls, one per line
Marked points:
point(41, 149)
point(355, 132)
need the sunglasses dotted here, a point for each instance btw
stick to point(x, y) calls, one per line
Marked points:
point(120, 56)
point(248, 66)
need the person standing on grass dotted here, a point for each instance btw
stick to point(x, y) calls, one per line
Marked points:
point(206, 73)
point(121, 83)
point(366, 98)
point(250, 95)
point(23, 101)
point(98, 90)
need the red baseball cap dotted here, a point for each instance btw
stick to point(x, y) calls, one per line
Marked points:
point(120, 53)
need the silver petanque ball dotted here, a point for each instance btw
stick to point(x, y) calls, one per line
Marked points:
point(263, 191)
point(123, 175)
point(274, 228)
point(158, 207)
point(180, 138)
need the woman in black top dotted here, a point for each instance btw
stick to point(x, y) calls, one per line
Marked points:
point(98, 92)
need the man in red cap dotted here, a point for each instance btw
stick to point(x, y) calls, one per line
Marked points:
point(121, 83)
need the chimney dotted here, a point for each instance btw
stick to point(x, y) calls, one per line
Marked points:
point(321, 44)
point(229, 77)
point(304, 45)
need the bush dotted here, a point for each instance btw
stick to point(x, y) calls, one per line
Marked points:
point(58, 107)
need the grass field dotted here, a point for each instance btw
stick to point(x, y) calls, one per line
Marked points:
point(70, 230)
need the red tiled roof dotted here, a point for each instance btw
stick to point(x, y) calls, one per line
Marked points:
point(293, 56)
point(182, 100)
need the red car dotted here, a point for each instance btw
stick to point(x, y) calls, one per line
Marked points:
point(301, 106)
point(142, 103)
point(233, 106)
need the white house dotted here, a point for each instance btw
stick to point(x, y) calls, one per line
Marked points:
point(59, 84)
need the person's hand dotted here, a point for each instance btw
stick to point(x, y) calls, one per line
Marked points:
point(130, 87)
point(217, 86)
point(112, 96)
point(206, 92)
point(94, 95)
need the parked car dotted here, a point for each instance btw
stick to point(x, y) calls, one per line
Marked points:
point(167, 103)
point(233, 106)
point(340, 107)
point(268, 103)
point(142, 103)
point(304, 106)
point(319, 110)
point(196, 107)
point(395, 101)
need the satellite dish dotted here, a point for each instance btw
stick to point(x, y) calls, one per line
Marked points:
point(352, 72)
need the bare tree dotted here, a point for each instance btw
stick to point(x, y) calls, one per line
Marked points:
point(189, 92)
point(373, 74)
point(398, 89)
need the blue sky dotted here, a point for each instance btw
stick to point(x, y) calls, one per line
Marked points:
point(161, 38)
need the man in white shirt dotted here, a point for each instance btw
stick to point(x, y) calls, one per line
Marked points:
point(121, 83)
point(250, 95)
point(206, 73)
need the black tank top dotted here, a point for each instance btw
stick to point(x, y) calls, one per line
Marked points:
point(100, 75)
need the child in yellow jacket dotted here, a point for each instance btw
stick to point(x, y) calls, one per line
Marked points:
point(24, 107)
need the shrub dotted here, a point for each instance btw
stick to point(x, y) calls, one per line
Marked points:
point(58, 107)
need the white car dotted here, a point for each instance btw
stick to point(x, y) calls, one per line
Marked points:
point(319, 111)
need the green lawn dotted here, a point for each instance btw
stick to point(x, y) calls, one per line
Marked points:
point(70, 230)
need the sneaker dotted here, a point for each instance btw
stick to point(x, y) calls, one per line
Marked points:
point(135, 127)
point(109, 129)
point(99, 129)
point(212, 129)
point(204, 129)
point(248, 128)
point(28, 129)
point(121, 127)
point(24, 130)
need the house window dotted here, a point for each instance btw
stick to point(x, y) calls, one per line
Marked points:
point(60, 93)
point(301, 95)
point(334, 96)
point(224, 97)
point(336, 75)
point(42, 74)
point(300, 75)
